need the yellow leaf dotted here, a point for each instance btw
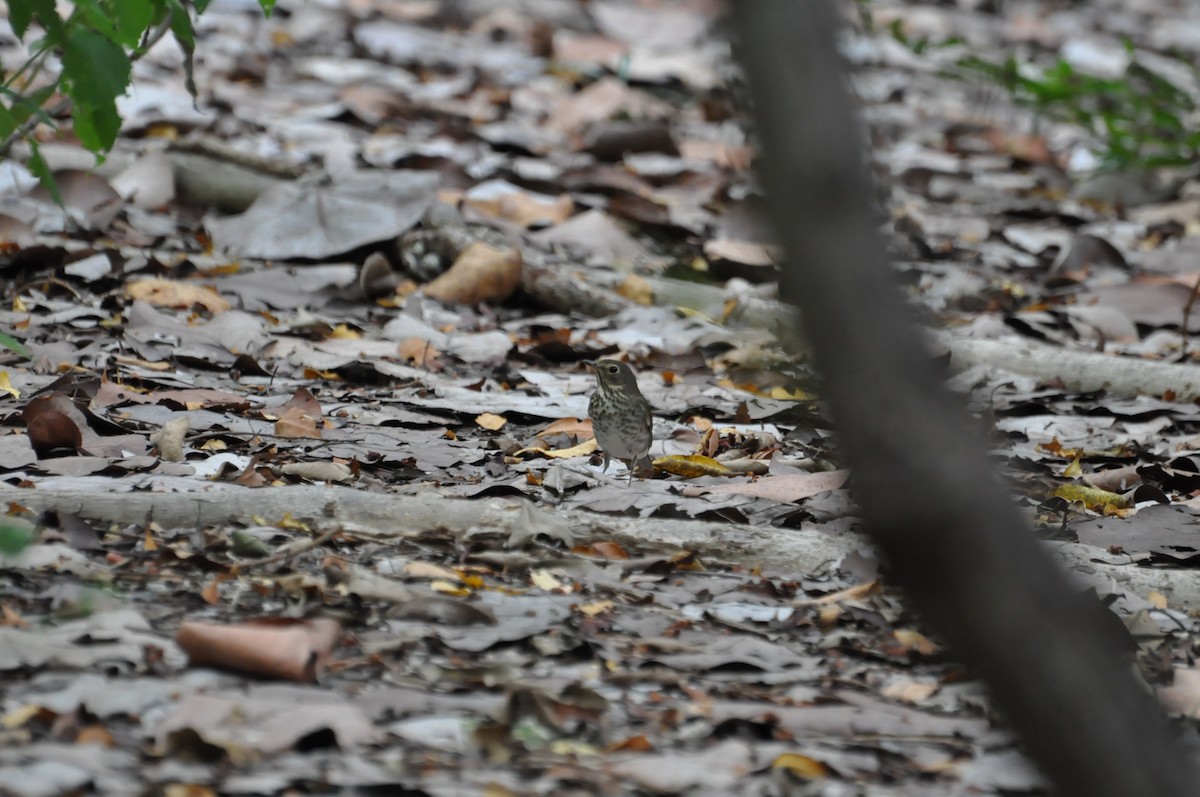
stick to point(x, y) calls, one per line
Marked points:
point(431, 571)
point(728, 309)
point(491, 422)
point(174, 293)
point(6, 386)
point(581, 450)
point(19, 716)
point(446, 588)
point(19, 306)
point(593, 609)
point(544, 579)
point(341, 331)
point(1074, 470)
point(801, 766)
point(328, 376)
point(691, 466)
point(783, 394)
point(1091, 497)
point(1157, 599)
point(915, 641)
point(289, 522)
point(636, 289)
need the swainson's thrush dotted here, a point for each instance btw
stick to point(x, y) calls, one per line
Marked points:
point(621, 417)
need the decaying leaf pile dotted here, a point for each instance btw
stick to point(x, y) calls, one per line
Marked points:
point(374, 256)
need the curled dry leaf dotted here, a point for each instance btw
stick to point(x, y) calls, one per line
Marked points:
point(692, 466)
point(482, 273)
point(169, 439)
point(376, 278)
point(420, 352)
point(173, 293)
point(319, 471)
point(573, 427)
point(286, 649)
point(581, 450)
point(54, 422)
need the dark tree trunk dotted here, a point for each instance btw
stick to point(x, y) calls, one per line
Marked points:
point(927, 493)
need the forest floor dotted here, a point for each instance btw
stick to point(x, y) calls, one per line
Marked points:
point(296, 526)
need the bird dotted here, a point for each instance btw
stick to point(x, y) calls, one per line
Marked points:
point(622, 421)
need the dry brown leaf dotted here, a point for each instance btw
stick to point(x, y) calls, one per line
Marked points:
point(420, 352)
point(490, 421)
point(288, 649)
point(511, 204)
point(572, 427)
point(916, 641)
point(581, 450)
point(788, 488)
point(909, 690)
point(801, 765)
point(691, 466)
point(169, 439)
point(482, 273)
point(296, 423)
point(636, 289)
point(174, 293)
point(431, 571)
point(747, 252)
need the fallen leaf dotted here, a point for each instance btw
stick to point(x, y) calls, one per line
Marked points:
point(637, 289)
point(6, 385)
point(177, 294)
point(691, 466)
point(801, 766)
point(482, 273)
point(490, 421)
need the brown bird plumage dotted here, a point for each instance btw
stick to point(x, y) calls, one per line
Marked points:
point(621, 416)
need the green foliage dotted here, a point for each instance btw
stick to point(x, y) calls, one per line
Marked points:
point(98, 41)
point(13, 345)
point(1138, 118)
point(14, 536)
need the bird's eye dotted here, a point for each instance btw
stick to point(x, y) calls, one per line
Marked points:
point(612, 369)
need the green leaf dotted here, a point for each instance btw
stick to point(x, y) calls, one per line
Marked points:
point(132, 17)
point(96, 18)
point(14, 345)
point(26, 105)
point(37, 164)
point(97, 70)
point(181, 26)
point(97, 127)
point(22, 12)
point(8, 122)
point(20, 15)
point(13, 537)
point(267, 6)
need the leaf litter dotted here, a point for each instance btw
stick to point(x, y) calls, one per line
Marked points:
point(566, 139)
